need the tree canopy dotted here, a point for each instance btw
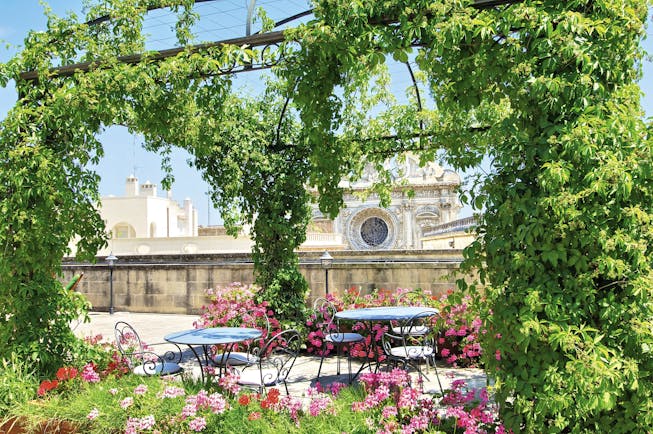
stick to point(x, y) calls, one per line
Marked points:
point(546, 89)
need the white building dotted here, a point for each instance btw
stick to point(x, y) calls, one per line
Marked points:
point(424, 203)
point(140, 213)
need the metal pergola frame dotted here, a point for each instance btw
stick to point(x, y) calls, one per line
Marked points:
point(250, 40)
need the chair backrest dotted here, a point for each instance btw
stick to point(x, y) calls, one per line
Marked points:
point(277, 357)
point(127, 340)
point(414, 332)
point(326, 309)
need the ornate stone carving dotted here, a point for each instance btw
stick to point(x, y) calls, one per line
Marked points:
point(372, 229)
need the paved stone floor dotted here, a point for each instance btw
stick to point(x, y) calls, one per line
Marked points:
point(152, 327)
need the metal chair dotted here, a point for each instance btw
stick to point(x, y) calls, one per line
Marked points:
point(333, 335)
point(410, 342)
point(140, 359)
point(275, 360)
point(242, 358)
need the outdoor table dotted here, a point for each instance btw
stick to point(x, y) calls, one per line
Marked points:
point(208, 337)
point(371, 315)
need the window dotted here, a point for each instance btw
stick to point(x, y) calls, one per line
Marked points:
point(123, 230)
point(374, 231)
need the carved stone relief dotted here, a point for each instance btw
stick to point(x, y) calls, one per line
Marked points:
point(372, 229)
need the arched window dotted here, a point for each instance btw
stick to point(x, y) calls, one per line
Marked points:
point(123, 230)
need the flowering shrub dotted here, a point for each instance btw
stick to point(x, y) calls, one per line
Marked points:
point(234, 306)
point(179, 412)
point(395, 407)
point(459, 330)
point(66, 378)
point(108, 363)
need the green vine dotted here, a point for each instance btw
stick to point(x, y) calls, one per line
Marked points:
point(546, 90)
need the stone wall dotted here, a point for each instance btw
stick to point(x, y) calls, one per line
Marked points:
point(176, 283)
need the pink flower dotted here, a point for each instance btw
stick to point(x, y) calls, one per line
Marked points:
point(389, 411)
point(141, 389)
point(217, 403)
point(113, 391)
point(126, 403)
point(198, 424)
point(171, 392)
point(89, 375)
point(189, 410)
point(230, 383)
point(93, 414)
point(497, 355)
point(146, 422)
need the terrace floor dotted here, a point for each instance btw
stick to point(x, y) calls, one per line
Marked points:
point(153, 326)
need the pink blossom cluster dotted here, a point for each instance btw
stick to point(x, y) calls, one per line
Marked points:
point(229, 382)
point(214, 402)
point(136, 424)
point(171, 392)
point(141, 389)
point(93, 414)
point(197, 424)
point(234, 305)
point(89, 374)
point(319, 402)
point(292, 406)
point(470, 409)
point(458, 343)
point(333, 388)
point(395, 407)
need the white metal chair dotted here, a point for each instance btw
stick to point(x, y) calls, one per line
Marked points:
point(140, 359)
point(410, 342)
point(333, 335)
point(242, 358)
point(275, 360)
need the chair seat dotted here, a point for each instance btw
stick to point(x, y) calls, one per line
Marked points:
point(157, 369)
point(341, 338)
point(235, 358)
point(252, 377)
point(417, 330)
point(411, 352)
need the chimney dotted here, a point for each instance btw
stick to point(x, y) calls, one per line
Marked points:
point(131, 186)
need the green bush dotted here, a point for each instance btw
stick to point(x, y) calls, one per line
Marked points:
point(18, 383)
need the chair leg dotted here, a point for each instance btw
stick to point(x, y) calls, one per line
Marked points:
point(349, 366)
point(338, 354)
point(435, 368)
point(320, 368)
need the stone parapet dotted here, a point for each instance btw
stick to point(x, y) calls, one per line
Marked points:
point(177, 283)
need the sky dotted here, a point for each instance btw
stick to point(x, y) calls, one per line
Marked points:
point(124, 155)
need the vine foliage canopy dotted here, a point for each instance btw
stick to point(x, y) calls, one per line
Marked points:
point(546, 89)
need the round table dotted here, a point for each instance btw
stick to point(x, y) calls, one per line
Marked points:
point(384, 313)
point(208, 337)
point(387, 313)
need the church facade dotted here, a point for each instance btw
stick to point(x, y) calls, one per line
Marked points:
point(423, 199)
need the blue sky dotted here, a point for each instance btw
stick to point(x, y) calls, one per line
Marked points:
point(123, 154)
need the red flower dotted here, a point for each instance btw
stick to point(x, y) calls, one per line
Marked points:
point(46, 386)
point(244, 399)
point(66, 373)
point(273, 395)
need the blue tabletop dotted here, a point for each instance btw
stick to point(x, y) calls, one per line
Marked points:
point(213, 336)
point(388, 313)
